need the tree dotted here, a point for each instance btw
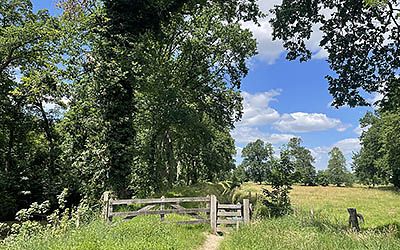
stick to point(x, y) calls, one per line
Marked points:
point(258, 160)
point(322, 178)
point(156, 102)
point(366, 162)
point(336, 170)
point(303, 162)
point(277, 201)
point(390, 161)
point(31, 94)
point(362, 42)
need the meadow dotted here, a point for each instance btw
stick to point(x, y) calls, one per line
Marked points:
point(379, 206)
point(327, 227)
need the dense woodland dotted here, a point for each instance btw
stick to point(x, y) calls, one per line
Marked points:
point(139, 96)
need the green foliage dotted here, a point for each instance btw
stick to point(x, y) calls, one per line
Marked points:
point(322, 178)
point(366, 162)
point(336, 171)
point(377, 162)
point(258, 160)
point(304, 171)
point(391, 146)
point(36, 221)
point(110, 95)
point(362, 42)
point(277, 201)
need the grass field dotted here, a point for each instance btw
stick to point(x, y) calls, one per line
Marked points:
point(327, 229)
point(144, 233)
point(379, 207)
point(292, 232)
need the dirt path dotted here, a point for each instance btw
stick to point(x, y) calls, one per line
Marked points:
point(212, 242)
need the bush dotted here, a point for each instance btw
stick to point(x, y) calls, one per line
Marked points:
point(277, 201)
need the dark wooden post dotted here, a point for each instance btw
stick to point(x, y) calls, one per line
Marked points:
point(162, 208)
point(353, 219)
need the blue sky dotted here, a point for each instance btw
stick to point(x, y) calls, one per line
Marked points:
point(284, 99)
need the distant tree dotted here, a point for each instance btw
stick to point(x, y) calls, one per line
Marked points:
point(322, 178)
point(239, 175)
point(304, 171)
point(257, 160)
point(336, 170)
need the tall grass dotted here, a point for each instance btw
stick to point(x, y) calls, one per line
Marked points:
point(299, 232)
point(380, 207)
point(145, 232)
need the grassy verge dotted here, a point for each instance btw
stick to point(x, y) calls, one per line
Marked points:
point(293, 232)
point(144, 232)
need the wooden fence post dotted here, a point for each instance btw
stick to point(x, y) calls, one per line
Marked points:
point(106, 205)
point(246, 211)
point(353, 219)
point(162, 208)
point(213, 213)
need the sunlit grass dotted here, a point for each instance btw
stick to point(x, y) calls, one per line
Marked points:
point(379, 207)
point(292, 232)
point(144, 233)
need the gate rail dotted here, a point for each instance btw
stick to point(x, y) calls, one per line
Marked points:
point(213, 213)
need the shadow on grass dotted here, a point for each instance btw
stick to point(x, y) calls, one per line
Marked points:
point(329, 225)
point(391, 228)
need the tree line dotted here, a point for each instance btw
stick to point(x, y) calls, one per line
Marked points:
point(260, 165)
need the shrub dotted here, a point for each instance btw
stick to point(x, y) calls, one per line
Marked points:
point(277, 201)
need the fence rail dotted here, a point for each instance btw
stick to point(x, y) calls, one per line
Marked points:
point(213, 213)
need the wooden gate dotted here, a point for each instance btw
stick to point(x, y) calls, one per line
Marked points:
point(209, 211)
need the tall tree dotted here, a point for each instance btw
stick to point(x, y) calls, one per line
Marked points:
point(258, 160)
point(336, 171)
point(157, 104)
point(390, 162)
point(366, 163)
point(303, 162)
point(31, 93)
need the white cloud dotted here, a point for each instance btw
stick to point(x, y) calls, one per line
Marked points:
point(359, 130)
point(256, 110)
point(347, 146)
point(244, 135)
point(268, 49)
point(300, 122)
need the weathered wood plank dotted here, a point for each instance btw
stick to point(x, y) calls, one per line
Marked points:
point(228, 222)
point(160, 201)
point(213, 213)
point(229, 206)
point(246, 211)
point(194, 215)
point(165, 211)
point(146, 208)
point(230, 214)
